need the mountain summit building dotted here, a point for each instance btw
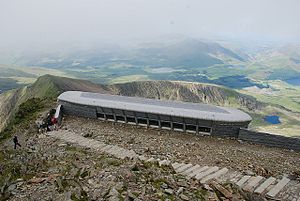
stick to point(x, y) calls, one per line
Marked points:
point(171, 115)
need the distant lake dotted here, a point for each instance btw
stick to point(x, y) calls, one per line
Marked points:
point(294, 81)
point(274, 119)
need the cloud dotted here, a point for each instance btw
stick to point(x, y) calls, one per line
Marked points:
point(37, 22)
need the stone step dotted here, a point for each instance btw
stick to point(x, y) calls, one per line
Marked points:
point(243, 180)
point(100, 146)
point(252, 183)
point(131, 154)
point(123, 156)
point(164, 162)
point(95, 144)
point(151, 159)
point(225, 178)
point(275, 190)
point(85, 143)
point(123, 153)
point(236, 178)
point(183, 168)
point(190, 170)
point(197, 171)
point(177, 165)
point(142, 158)
point(110, 148)
point(269, 187)
point(91, 143)
point(214, 175)
point(106, 148)
point(66, 137)
point(207, 172)
point(114, 151)
point(290, 192)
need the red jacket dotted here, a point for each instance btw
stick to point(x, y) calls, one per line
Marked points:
point(54, 121)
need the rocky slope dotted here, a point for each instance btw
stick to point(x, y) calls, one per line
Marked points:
point(48, 169)
point(188, 92)
point(9, 103)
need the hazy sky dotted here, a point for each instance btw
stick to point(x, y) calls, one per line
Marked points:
point(49, 21)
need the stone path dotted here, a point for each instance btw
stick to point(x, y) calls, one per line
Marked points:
point(273, 188)
point(115, 151)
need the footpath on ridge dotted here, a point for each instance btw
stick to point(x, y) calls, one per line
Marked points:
point(281, 188)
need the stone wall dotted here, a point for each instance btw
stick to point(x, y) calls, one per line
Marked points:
point(79, 110)
point(227, 129)
point(269, 139)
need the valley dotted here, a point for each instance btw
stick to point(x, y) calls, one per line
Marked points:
point(270, 75)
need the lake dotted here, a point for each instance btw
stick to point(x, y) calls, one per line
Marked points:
point(294, 81)
point(273, 119)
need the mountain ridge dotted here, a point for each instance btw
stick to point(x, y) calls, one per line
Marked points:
point(49, 87)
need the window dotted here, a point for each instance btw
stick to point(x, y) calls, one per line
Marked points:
point(153, 123)
point(120, 118)
point(142, 121)
point(130, 119)
point(204, 129)
point(100, 116)
point(166, 124)
point(178, 126)
point(191, 128)
point(110, 117)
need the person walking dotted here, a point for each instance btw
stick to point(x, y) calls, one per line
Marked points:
point(16, 142)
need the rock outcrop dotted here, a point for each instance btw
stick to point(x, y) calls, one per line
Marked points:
point(186, 91)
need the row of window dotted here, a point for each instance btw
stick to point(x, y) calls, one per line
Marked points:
point(153, 123)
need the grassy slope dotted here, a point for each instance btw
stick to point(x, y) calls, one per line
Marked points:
point(46, 87)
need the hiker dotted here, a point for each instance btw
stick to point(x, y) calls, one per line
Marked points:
point(54, 123)
point(16, 142)
point(42, 127)
point(48, 122)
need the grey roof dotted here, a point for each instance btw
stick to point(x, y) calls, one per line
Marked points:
point(173, 108)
